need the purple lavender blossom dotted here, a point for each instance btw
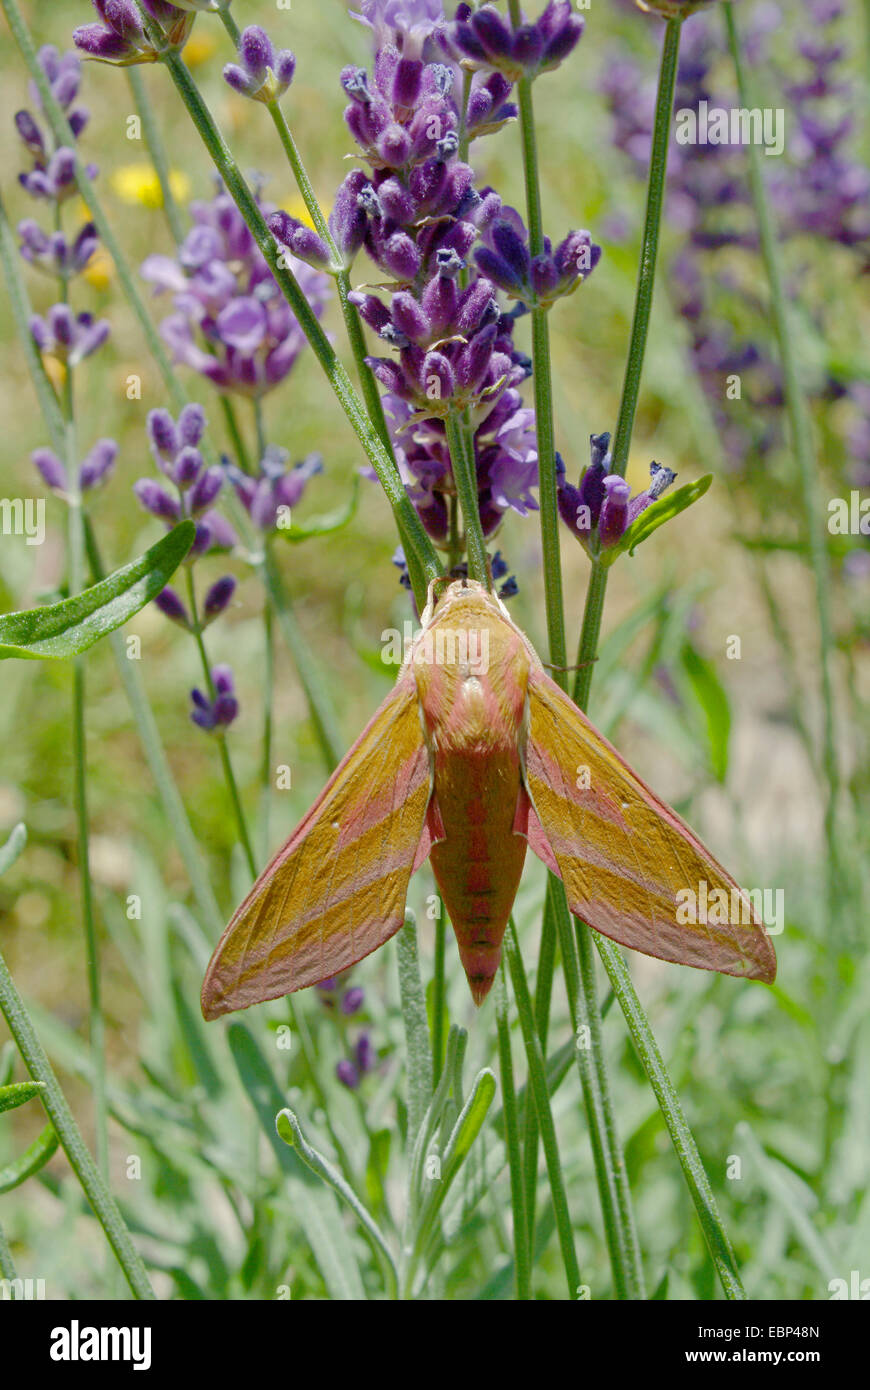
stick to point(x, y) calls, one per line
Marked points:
point(53, 254)
point(224, 291)
point(600, 509)
point(540, 280)
point(347, 1073)
point(68, 336)
point(409, 26)
point(192, 488)
point(120, 36)
point(261, 73)
point(54, 179)
point(94, 469)
point(217, 714)
point(486, 39)
point(269, 495)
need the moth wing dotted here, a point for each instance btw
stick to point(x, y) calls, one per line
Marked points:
point(336, 890)
point(624, 855)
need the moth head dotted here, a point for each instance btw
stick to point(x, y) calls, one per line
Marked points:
point(447, 594)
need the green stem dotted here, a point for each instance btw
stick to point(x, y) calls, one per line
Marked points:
point(226, 762)
point(157, 150)
point(7, 1264)
point(229, 23)
point(686, 1149)
point(610, 1170)
point(649, 245)
point(522, 1263)
point(538, 1087)
point(543, 998)
point(103, 1203)
point(607, 1152)
point(543, 386)
point(76, 582)
point(268, 681)
point(22, 312)
point(801, 430)
point(466, 489)
point(439, 992)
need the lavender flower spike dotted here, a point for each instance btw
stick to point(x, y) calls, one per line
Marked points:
point(261, 74)
point(216, 715)
point(120, 37)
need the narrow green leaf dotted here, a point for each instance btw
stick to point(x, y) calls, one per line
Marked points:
point(19, 1093)
point(30, 1162)
point(13, 846)
point(289, 1129)
point(325, 524)
point(710, 694)
point(655, 515)
point(70, 627)
point(416, 1027)
point(314, 1208)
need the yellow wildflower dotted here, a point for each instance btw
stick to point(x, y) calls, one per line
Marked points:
point(138, 183)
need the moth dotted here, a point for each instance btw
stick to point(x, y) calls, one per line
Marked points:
point(475, 756)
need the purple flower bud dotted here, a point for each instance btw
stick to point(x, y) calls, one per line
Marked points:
point(528, 46)
point(205, 490)
point(409, 318)
point(156, 500)
point(474, 303)
point(497, 269)
point(222, 536)
point(223, 679)
point(238, 79)
point(475, 359)
point(348, 219)
point(352, 1001)
point(365, 1054)
point(218, 597)
point(256, 51)
point(191, 424)
point(394, 145)
point(171, 607)
point(284, 68)
point(62, 324)
point(187, 467)
point(614, 510)
point(400, 256)
point(30, 133)
point(347, 1074)
point(40, 333)
point(438, 380)
point(407, 82)
point(492, 32)
point(162, 434)
point(98, 464)
point(371, 310)
point(50, 468)
point(304, 243)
